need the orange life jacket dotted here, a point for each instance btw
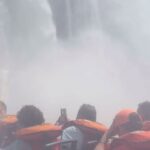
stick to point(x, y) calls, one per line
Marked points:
point(9, 119)
point(92, 131)
point(40, 135)
point(132, 141)
point(146, 126)
point(8, 126)
point(122, 117)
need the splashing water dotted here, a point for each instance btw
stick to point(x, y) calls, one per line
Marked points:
point(104, 60)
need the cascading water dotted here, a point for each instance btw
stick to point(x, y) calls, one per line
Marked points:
point(67, 52)
point(71, 17)
point(4, 55)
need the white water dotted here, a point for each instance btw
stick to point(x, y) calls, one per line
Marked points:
point(105, 64)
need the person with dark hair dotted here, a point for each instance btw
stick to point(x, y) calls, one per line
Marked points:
point(144, 111)
point(84, 129)
point(87, 112)
point(8, 125)
point(133, 137)
point(33, 132)
point(30, 116)
point(126, 121)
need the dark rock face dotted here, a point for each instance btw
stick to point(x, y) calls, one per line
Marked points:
point(71, 16)
point(59, 10)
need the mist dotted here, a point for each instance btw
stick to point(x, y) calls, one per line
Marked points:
point(104, 60)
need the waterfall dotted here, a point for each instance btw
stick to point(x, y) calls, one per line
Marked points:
point(62, 53)
point(71, 17)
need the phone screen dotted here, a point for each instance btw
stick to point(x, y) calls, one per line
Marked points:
point(63, 112)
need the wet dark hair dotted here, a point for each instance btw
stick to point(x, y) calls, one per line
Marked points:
point(87, 112)
point(144, 110)
point(29, 115)
point(4, 105)
point(134, 123)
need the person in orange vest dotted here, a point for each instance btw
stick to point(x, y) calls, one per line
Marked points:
point(139, 140)
point(7, 126)
point(84, 129)
point(127, 120)
point(144, 112)
point(34, 133)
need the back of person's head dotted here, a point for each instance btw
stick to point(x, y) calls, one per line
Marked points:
point(3, 109)
point(144, 110)
point(87, 112)
point(29, 116)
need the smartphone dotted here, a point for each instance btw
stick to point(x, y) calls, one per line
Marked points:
point(63, 112)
